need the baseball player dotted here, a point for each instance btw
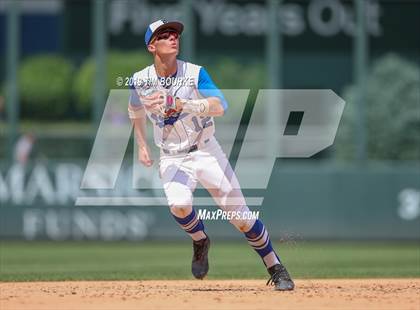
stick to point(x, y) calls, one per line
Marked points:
point(182, 102)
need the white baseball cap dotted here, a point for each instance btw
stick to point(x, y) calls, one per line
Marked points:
point(160, 25)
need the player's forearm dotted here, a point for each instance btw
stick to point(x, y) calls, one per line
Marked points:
point(210, 106)
point(139, 123)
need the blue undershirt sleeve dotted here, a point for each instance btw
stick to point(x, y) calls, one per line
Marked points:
point(207, 88)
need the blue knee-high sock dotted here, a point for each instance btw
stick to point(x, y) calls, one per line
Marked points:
point(259, 239)
point(192, 225)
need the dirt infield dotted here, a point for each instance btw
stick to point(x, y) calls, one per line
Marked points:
point(212, 294)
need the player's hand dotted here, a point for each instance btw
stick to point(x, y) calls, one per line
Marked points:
point(145, 157)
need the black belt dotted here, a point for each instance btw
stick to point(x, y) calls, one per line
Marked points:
point(191, 149)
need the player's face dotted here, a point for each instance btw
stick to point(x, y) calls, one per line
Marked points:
point(166, 42)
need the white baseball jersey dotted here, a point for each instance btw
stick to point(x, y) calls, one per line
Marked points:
point(207, 164)
point(183, 130)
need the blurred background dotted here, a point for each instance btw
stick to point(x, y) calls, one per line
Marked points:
point(60, 58)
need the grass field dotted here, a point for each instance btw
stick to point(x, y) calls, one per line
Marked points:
point(44, 261)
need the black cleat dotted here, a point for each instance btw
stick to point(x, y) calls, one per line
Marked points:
point(200, 261)
point(280, 278)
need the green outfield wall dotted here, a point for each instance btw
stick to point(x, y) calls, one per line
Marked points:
point(305, 199)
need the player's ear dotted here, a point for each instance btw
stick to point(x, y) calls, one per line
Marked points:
point(151, 48)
